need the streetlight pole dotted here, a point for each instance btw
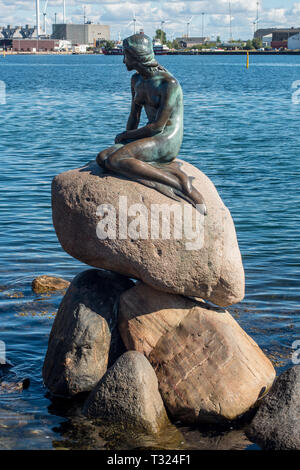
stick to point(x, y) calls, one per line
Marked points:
point(230, 22)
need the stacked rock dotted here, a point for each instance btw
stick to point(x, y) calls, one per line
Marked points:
point(183, 353)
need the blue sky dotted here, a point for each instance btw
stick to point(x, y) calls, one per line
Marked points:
point(149, 14)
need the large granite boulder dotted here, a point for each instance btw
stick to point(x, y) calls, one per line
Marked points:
point(209, 370)
point(84, 339)
point(145, 315)
point(128, 395)
point(205, 263)
point(276, 425)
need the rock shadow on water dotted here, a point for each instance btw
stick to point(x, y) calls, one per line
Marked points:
point(80, 433)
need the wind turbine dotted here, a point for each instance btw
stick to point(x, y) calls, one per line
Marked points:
point(134, 21)
point(162, 22)
point(45, 19)
point(188, 26)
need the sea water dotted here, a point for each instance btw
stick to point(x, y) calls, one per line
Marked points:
point(241, 130)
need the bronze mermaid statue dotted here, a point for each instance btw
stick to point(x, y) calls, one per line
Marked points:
point(147, 154)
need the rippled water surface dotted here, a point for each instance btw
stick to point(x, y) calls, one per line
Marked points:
point(241, 129)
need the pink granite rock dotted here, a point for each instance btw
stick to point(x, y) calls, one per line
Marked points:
point(205, 264)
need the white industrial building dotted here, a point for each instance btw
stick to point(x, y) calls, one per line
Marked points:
point(294, 42)
point(267, 40)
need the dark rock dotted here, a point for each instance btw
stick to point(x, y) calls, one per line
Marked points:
point(84, 340)
point(4, 369)
point(128, 395)
point(276, 425)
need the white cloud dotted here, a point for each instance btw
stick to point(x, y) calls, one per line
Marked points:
point(150, 13)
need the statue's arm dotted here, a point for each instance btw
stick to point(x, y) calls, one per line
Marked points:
point(168, 101)
point(136, 109)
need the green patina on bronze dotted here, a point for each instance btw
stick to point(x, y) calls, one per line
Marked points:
point(147, 154)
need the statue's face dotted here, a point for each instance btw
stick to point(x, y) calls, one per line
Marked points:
point(128, 61)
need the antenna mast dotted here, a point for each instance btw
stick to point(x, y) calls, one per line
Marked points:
point(230, 22)
point(37, 4)
point(64, 11)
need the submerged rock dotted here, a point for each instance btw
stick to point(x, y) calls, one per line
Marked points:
point(203, 262)
point(10, 387)
point(276, 425)
point(128, 395)
point(84, 339)
point(44, 284)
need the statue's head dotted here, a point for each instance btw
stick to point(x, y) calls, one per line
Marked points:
point(138, 49)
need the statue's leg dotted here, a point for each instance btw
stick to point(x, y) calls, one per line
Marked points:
point(174, 169)
point(122, 162)
point(186, 182)
point(141, 160)
point(104, 154)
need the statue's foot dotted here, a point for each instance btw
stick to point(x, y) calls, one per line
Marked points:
point(198, 201)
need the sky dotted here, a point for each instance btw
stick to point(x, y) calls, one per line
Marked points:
point(149, 15)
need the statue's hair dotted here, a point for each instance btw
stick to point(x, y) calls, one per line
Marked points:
point(141, 51)
point(151, 68)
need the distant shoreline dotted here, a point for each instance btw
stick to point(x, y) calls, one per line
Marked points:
point(215, 53)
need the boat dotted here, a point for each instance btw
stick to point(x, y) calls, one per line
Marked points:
point(117, 50)
point(159, 48)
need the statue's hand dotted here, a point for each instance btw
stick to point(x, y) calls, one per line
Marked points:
point(120, 137)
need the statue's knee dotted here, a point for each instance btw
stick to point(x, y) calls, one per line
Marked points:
point(102, 158)
point(111, 163)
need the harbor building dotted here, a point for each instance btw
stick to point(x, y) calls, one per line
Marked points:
point(191, 41)
point(29, 45)
point(87, 33)
point(280, 36)
point(267, 40)
point(294, 42)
